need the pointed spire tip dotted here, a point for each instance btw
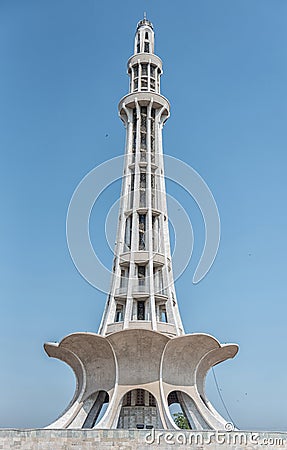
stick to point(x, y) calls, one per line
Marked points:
point(144, 21)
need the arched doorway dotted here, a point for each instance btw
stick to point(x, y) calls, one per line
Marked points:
point(139, 410)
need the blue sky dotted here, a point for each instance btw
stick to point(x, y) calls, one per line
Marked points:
point(63, 71)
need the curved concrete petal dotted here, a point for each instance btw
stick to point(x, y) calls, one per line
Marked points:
point(92, 359)
point(97, 358)
point(226, 351)
point(185, 362)
point(214, 357)
point(182, 355)
point(72, 410)
point(138, 353)
point(55, 351)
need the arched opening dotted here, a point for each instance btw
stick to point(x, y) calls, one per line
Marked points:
point(139, 410)
point(177, 410)
point(97, 410)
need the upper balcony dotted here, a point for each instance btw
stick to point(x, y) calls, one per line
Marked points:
point(121, 291)
point(143, 257)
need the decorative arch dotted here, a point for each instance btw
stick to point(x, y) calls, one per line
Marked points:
point(139, 409)
point(174, 398)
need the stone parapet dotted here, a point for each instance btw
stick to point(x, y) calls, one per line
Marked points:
point(47, 439)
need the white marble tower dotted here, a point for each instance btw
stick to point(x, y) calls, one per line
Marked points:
point(142, 290)
point(141, 361)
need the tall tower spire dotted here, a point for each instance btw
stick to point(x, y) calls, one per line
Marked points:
point(142, 292)
point(141, 361)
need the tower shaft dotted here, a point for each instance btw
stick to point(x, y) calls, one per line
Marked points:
point(142, 293)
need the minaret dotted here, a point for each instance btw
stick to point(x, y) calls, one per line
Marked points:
point(142, 292)
point(141, 362)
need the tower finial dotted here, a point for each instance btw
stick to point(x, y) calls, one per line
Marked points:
point(144, 22)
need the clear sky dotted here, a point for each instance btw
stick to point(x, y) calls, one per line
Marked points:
point(63, 71)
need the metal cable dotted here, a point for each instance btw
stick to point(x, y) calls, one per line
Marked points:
point(221, 398)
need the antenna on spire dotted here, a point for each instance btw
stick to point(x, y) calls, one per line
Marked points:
point(144, 15)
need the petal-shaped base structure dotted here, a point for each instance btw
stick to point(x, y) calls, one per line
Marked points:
point(161, 370)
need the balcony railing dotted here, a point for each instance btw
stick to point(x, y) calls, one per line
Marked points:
point(140, 288)
point(159, 291)
point(121, 290)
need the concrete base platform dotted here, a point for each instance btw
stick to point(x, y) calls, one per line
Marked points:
point(47, 439)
